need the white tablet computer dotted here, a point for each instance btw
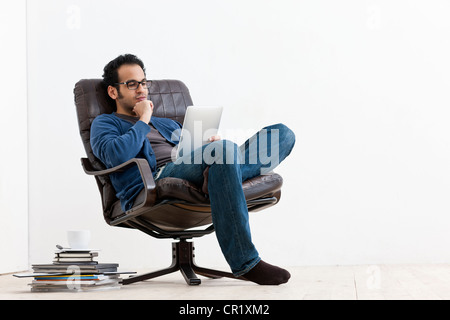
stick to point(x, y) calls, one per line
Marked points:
point(200, 123)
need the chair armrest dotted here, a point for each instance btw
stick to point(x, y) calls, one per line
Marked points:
point(144, 170)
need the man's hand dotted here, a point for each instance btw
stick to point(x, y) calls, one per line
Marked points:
point(214, 138)
point(144, 110)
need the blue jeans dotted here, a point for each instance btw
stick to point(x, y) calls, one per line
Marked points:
point(230, 165)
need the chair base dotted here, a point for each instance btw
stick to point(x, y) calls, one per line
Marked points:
point(183, 261)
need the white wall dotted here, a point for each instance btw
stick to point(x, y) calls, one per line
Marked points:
point(13, 138)
point(363, 84)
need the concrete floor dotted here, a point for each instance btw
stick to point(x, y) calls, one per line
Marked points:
point(376, 282)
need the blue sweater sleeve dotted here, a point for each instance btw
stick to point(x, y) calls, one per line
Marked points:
point(114, 147)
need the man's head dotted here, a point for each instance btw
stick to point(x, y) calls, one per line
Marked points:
point(125, 81)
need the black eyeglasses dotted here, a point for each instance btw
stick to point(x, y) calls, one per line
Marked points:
point(133, 84)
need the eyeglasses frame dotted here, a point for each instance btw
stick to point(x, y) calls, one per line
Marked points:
point(148, 83)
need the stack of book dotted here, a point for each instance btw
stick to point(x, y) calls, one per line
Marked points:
point(74, 270)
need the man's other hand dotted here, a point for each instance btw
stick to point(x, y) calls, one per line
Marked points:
point(214, 138)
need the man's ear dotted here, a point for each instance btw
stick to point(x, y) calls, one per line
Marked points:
point(112, 92)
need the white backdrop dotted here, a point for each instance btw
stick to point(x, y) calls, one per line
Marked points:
point(363, 84)
point(13, 139)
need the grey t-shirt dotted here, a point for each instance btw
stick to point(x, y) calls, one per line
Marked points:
point(161, 147)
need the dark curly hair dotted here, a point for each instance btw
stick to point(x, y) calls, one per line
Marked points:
point(110, 74)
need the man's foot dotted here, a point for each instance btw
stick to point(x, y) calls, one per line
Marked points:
point(267, 274)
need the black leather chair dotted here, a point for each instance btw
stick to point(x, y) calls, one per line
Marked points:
point(171, 207)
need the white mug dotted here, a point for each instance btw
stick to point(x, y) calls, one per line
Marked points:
point(79, 239)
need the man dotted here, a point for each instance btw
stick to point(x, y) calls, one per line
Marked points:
point(132, 132)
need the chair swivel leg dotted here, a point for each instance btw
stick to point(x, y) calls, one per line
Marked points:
point(210, 273)
point(132, 279)
point(184, 253)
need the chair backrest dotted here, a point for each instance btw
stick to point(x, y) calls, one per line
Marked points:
point(170, 98)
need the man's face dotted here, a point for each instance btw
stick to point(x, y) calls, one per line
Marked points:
point(125, 98)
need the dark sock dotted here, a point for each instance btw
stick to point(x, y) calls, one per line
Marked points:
point(267, 274)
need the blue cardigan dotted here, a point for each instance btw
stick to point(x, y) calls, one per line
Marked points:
point(115, 141)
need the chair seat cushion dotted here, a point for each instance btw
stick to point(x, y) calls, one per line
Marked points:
point(257, 187)
point(267, 185)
